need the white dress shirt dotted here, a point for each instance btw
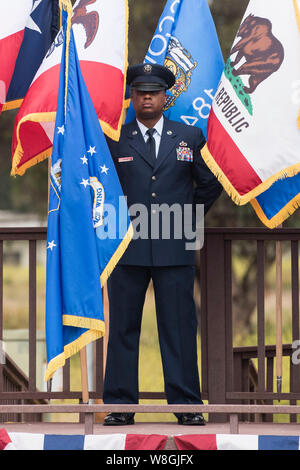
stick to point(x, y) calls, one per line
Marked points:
point(157, 135)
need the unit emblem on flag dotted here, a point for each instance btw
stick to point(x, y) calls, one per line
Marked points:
point(98, 205)
point(263, 54)
point(184, 154)
point(56, 173)
point(181, 63)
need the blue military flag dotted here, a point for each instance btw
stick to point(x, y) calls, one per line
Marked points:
point(88, 222)
point(186, 42)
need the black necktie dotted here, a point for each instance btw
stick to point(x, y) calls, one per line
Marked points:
point(151, 144)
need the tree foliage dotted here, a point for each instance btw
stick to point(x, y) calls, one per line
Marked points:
point(29, 192)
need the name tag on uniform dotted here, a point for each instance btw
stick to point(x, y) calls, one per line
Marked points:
point(125, 159)
point(184, 154)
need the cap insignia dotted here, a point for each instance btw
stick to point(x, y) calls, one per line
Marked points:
point(147, 68)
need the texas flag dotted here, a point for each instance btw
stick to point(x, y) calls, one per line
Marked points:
point(100, 29)
point(38, 441)
point(236, 442)
point(27, 28)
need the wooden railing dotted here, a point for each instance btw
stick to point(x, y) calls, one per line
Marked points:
point(228, 374)
point(221, 377)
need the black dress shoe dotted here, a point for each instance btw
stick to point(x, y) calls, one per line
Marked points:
point(118, 419)
point(191, 419)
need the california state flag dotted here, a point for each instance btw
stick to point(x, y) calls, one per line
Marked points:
point(100, 29)
point(253, 137)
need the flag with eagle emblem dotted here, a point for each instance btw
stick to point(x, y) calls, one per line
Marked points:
point(100, 29)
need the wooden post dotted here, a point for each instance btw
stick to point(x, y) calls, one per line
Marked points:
point(279, 315)
point(216, 323)
point(99, 417)
point(84, 376)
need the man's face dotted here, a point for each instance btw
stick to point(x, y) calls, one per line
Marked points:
point(148, 104)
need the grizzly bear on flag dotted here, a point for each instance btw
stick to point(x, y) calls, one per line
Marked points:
point(263, 52)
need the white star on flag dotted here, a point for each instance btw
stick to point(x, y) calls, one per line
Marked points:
point(104, 169)
point(91, 150)
point(31, 24)
point(84, 160)
point(85, 182)
point(61, 130)
point(51, 245)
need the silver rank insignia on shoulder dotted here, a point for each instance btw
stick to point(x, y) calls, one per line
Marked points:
point(169, 132)
point(183, 144)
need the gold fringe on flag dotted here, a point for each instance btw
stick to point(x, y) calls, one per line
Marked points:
point(18, 154)
point(71, 349)
point(116, 256)
point(281, 216)
point(231, 190)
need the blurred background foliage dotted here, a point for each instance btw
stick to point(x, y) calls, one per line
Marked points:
point(28, 193)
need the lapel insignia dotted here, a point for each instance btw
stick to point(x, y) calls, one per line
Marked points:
point(169, 132)
point(183, 144)
point(134, 132)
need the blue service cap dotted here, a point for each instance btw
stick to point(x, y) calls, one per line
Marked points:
point(150, 77)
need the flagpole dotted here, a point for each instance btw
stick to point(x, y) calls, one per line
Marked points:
point(99, 417)
point(279, 314)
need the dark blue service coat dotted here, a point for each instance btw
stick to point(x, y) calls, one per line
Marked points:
point(178, 177)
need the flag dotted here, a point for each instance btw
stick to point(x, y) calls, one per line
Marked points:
point(100, 29)
point(186, 42)
point(28, 27)
point(253, 136)
point(277, 203)
point(236, 442)
point(38, 441)
point(88, 222)
point(5, 441)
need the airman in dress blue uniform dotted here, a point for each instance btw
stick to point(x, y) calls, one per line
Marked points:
point(159, 165)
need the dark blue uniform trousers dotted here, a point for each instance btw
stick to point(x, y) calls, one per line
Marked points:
point(177, 331)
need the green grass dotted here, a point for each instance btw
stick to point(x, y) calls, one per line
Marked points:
point(16, 295)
